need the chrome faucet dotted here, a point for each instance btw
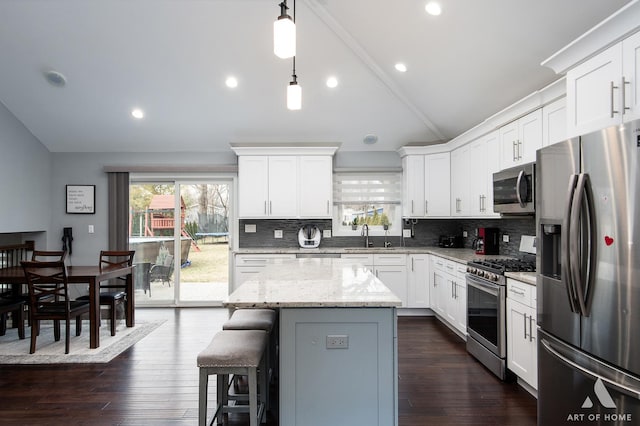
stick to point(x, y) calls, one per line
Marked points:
point(365, 233)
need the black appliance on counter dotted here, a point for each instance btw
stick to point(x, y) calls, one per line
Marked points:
point(455, 241)
point(487, 309)
point(486, 241)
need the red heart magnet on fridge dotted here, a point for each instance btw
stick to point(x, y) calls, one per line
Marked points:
point(608, 240)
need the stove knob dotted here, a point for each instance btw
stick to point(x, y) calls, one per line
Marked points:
point(481, 273)
point(494, 277)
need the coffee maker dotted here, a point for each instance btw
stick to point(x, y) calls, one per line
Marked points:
point(487, 241)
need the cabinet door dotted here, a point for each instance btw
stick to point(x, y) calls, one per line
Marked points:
point(283, 189)
point(413, 180)
point(476, 180)
point(509, 145)
point(394, 277)
point(492, 145)
point(554, 122)
point(530, 136)
point(438, 288)
point(253, 186)
point(437, 172)
point(460, 296)
point(521, 344)
point(631, 74)
point(418, 291)
point(315, 186)
point(593, 93)
point(460, 182)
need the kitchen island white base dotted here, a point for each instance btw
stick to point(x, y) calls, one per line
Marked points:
point(352, 385)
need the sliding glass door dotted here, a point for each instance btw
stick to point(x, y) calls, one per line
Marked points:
point(180, 232)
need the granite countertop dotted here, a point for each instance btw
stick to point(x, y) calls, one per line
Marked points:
point(312, 283)
point(525, 277)
point(455, 254)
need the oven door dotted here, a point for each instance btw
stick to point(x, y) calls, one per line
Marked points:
point(486, 314)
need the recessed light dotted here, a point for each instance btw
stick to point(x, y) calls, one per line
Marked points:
point(55, 78)
point(231, 82)
point(370, 139)
point(433, 8)
point(332, 82)
point(137, 113)
point(401, 67)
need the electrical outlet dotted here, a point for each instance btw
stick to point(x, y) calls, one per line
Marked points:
point(277, 233)
point(464, 234)
point(337, 341)
point(249, 228)
point(406, 233)
point(326, 233)
point(505, 238)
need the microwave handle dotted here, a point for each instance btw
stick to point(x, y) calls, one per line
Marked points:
point(518, 182)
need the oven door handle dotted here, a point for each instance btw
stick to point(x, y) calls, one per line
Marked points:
point(494, 289)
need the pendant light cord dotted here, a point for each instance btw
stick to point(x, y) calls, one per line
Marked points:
point(295, 77)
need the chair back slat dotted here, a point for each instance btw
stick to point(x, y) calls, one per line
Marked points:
point(48, 255)
point(47, 282)
point(116, 258)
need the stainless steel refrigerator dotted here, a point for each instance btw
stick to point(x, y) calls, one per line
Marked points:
point(588, 228)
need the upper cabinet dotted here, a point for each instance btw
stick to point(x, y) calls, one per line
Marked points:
point(603, 91)
point(554, 122)
point(284, 186)
point(520, 139)
point(484, 161)
point(426, 185)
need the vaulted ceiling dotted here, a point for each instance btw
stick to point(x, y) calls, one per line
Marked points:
point(171, 58)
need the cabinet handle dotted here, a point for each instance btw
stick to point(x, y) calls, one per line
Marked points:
point(412, 264)
point(624, 97)
point(613, 111)
point(270, 207)
point(265, 207)
point(518, 292)
point(411, 206)
point(426, 208)
point(531, 328)
point(519, 150)
point(327, 206)
point(525, 327)
point(513, 149)
point(452, 287)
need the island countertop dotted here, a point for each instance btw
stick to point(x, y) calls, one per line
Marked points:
point(313, 283)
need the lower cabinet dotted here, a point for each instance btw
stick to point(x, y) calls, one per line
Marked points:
point(418, 281)
point(248, 266)
point(522, 356)
point(391, 269)
point(448, 288)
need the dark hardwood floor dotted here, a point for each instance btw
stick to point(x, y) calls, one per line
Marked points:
point(156, 381)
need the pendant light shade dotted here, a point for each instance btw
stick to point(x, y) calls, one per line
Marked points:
point(294, 95)
point(284, 34)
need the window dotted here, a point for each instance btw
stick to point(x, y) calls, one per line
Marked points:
point(373, 198)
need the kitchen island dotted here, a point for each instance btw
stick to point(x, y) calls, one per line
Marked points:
point(338, 340)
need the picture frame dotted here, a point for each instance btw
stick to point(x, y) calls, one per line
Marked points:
point(81, 199)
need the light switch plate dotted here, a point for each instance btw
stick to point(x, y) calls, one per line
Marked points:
point(406, 233)
point(250, 228)
point(277, 233)
point(91, 229)
point(505, 238)
point(326, 233)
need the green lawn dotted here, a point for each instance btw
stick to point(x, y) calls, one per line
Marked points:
point(210, 264)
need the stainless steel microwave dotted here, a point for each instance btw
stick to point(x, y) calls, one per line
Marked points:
point(514, 190)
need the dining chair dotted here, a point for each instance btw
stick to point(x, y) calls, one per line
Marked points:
point(49, 300)
point(115, 292)
point(48, 255)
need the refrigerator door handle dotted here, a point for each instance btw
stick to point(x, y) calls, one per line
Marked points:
point(582, 274)
point(613, 378)
point(565, 251)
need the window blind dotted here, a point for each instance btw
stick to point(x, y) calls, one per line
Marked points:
point(367, 187)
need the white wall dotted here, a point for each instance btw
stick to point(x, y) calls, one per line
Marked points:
point(25, 172)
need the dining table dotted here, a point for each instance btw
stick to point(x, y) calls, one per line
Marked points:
point(92, 276)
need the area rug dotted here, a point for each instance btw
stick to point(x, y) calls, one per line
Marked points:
point(48, 351)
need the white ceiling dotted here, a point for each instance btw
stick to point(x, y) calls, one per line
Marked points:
point(171, 58)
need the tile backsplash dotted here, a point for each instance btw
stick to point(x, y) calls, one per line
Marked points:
point(426, 233)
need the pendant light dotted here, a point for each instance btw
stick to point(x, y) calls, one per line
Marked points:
point(284, 33)
point(294, 91)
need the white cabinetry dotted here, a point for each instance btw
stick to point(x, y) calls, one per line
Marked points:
point(426, 185)
point(522, 356)
point(267, 186)
point(603, 91)
point(391, 269)
point(315, 186)
point(247, 266)
point(449, 292)
point(520, 139)
point(460, 182)
point(554, 122)
point(418, 281)
point(484, 161)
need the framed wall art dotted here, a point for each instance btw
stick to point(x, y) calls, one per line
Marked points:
point(81, 199)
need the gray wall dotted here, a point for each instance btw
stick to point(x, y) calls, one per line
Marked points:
point(25, 172)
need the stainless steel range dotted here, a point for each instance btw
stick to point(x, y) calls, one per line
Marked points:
point(486, 309)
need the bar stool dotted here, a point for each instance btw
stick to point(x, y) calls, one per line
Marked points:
point(233, 352)
point(257, 319)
